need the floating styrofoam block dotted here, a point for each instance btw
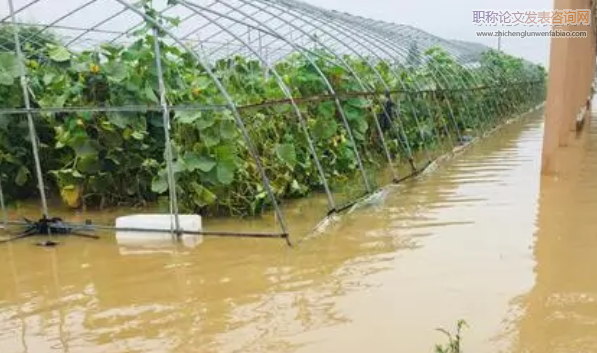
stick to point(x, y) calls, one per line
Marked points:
point(128, 247)
point(153, 223)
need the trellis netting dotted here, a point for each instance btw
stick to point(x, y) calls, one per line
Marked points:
point(233, 108)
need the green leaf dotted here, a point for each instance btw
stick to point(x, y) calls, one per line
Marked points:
point(336, 70)
point(85, 148)
point(211, 177)
point(116, 71)
point(59, 54)
point(132, 86)
point(118, 119)
point(174, 21)
point(225, 172)
point(210, 137)
point(22, 176)
point(159, 185)
point(53, 101)
point(137, 135)
point(353, 114)
point(226, 153)
point(98, 183)
point(187, 117)
point(202, 163)
point(206, 120)
point(202, 196)
point(361, 126)
point(130, 55)
point(358, 103)
point(48, 78)
point(60, 101)
point(4, 120)
point(81, 67)
point(297, 188)
point(324, 129)
point(180, 166)
point(9, 68)
point(203, 83)
point(111, 48)
point(150, 163)
point(228, 129)
point(150, 94)
point(286, 153)
point(89, 164)
point(68, 174)
point(326, 110)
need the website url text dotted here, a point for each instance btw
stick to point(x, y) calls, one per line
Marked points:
point(554, 33)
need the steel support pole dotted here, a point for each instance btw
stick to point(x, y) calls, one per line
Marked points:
point(27, 101)
point(167, 127)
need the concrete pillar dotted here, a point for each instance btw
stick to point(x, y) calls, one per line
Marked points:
point(571, 69)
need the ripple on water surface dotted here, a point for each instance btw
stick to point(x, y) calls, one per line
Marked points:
point(458, 243)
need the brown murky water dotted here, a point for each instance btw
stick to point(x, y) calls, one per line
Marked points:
point(480, 239)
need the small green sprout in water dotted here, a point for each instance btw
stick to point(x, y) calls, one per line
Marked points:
point(454, 339)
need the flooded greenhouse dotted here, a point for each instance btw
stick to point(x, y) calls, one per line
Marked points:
point(222, 125)
point(234, 109)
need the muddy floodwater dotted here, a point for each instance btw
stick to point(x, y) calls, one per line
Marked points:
point(482, 238)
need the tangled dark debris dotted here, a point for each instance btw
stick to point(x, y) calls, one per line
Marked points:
point(51, 227)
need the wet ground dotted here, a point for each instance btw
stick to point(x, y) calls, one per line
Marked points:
point(482, 238)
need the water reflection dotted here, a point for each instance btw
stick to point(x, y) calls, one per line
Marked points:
point(424, 255)
point(225, 295)
point(560, 312)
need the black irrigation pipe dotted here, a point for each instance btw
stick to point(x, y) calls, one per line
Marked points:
point(349, 95)
point(265, 104)
point(262, 235)
point(93, 227)
point(156, 230)
point(415, 174)
point(341, 208)
point(122, 109)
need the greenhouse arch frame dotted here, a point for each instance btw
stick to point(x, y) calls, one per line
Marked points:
point(233, 107)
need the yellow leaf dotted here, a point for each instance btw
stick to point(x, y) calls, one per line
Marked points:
point(94, 68)
point(71, 195)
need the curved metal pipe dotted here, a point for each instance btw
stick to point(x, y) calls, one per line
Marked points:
point(232, 106)
point(288, 95)
point(356, 77)
point(319, 19)
point(324, 79)
point(389, 42)
point(346, 65)
point(376, 36)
